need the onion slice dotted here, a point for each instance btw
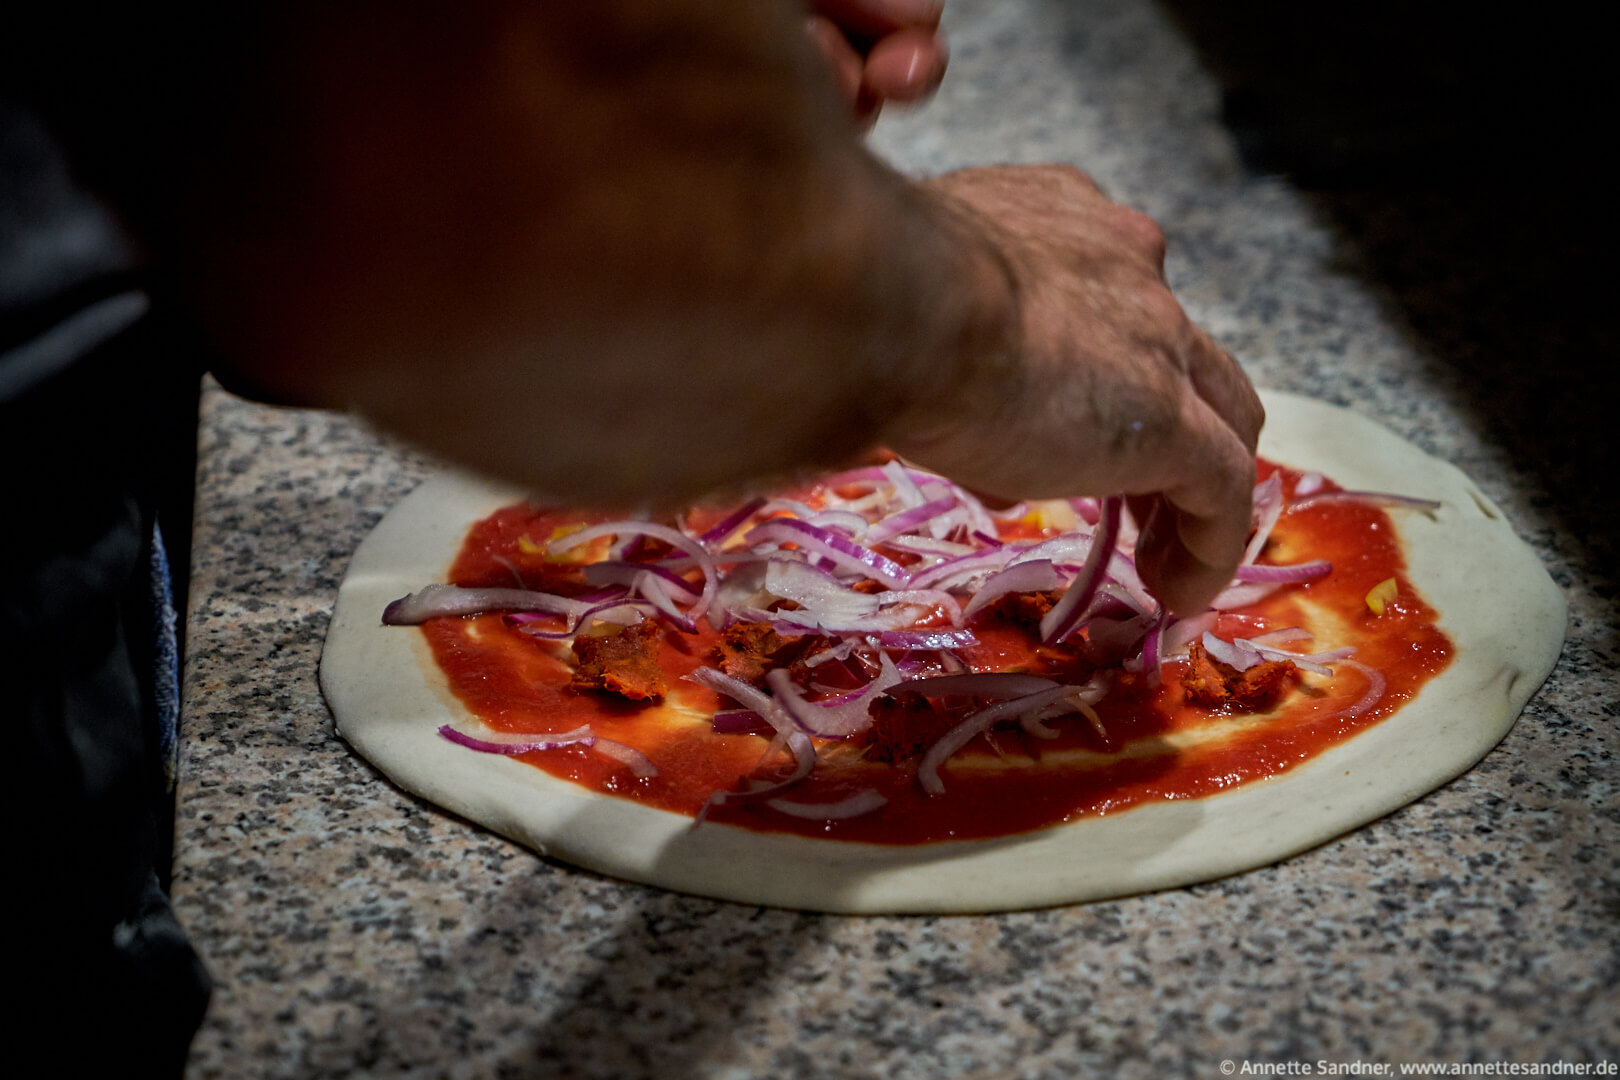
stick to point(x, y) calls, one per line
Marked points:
point(1037, 575)
point(1268, 507)
point(960, 735)
point(1065, 617)
point(1376, 684)
point(639, 763)
point(432, 601)
point(1292, 574)
point(909, 520)
point(1241, 657)
point(862, 802)
point(841, 551)
point(833, 721)
point(723, 529)
point(511, 744)
point(673, 537)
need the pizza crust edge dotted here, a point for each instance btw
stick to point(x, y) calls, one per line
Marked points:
point(1496, 601)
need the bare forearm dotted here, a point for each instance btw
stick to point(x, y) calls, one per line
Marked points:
point(631, 251)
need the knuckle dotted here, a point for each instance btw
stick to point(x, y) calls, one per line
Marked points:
point(1139, 424)
point(1166, 318)
point(1142, 232)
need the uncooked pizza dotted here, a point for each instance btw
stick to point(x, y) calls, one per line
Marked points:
point(874, 693)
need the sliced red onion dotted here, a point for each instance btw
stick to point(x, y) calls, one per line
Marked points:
point(750, 697)
point(1088, 510)
point(927, 639)
point(1080, 700)
point(977, 517)
point(816, 591)
point(1066, 549)
point(1268, 507)
point(955, 572)
point(657, 594)
point(1376, 684)
point(1122, 569)
point(614, 572)
point(838, 721)
point(1292, 574)
point(673, 537)
point(627, 545)
point(960, 735)
point(1366, 498)
point(841, 551)
point(1239, 596)
point(1235, 656)
point(762, 705)
point(1308, 484)
point(511, 744)
point(1037, 575)
point(905, 488)
point(801, 622)
point(1183, 632)
point(1153, 647)
point(639, 763)
point(1065, 616)
point(1114, 601)
point(731, 523)
point(847, 522)
point(875, 501)
point(794, 507)
point(1282, 636)
point(897, 610)
point(1033, 725)
point(862, 802)
point(909, 520)
point(432, 601)
point(927, 599)
point(619, 612)
point(839, 651)
point(740, 589)
point(804, 758)
point(928, 545)
point(1316, 662)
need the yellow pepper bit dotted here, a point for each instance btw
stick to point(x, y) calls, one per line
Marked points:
point(1381, 594)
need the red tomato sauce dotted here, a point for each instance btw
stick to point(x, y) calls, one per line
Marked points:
point(1154, 745)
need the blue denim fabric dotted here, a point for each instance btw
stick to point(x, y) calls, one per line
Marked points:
point(97, 433)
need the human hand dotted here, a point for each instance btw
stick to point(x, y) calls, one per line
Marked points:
point(1103, 385)
point(880, 50)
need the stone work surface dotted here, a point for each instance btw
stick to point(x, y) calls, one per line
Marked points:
point(354, 931)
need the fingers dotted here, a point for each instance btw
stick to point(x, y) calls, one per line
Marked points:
point(1112, 387)
point(1196, 527)
point(905, 66)
point(880, 50)
point(1221, 382)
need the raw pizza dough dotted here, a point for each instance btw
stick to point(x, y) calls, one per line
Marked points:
point(1495, 600)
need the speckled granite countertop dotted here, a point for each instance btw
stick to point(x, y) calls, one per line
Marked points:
point(353, 930)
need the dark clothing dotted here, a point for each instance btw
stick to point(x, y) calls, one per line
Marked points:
point(98, 432)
